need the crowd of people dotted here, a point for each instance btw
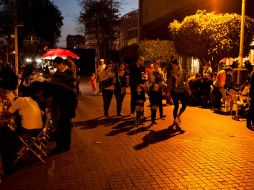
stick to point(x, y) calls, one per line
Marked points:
point(153, 82)
point(25, 98)
point(206, 89)
point(28, 100)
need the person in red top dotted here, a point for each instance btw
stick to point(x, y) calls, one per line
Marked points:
point(92, 81)
point(218, 86)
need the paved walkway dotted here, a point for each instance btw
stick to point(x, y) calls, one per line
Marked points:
point(214, 152)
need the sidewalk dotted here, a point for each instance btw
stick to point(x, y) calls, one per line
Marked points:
point(214, 152)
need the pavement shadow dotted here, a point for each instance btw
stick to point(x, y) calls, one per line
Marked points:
point(122, 127)
point(93, 123)
point(139, 130)
point(157, 136)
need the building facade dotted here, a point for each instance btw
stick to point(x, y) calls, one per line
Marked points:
point(128, 29)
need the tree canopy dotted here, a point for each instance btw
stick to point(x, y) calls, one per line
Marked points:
point(40, 19)
point(100, 19)
point(157, 49)
point(210, 36)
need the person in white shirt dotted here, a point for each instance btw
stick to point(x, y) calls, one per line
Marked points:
point(29, 112)
point(99, 70)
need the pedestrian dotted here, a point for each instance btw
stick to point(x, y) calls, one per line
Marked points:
point(137, 71)
point(62, 100)
point(250, 116)
point(76, 73)
point(92, 81)
point(155, 96)
point(122, 81)
point(107, 81)
point(139, 100)
point(178, 87)
point(101, 67)
point(219, 85)
point(63, 74)
point(156, 76)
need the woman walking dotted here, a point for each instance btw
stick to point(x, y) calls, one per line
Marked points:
point(120, 87)
point(178, 89)
point(107, 80)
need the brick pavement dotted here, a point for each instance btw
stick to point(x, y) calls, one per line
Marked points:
point(214, 152)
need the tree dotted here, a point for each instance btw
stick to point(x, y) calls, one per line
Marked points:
point(157, 49)
point(210, 36)
point(100, 20)
point(40, 19)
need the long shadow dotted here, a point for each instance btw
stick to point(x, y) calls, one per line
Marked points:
point(122, 127)
point(93, 123)
point(157, 136)
point(140, 130)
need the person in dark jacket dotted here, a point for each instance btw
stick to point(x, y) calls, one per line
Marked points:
point(250, 117)
point(63, 103)
point(63, 74)
point(155, 96)
point(136, 72)
point(120, 87)
point(136, 77)
point(139, 102)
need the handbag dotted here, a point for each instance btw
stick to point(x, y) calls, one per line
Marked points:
point(107, 83)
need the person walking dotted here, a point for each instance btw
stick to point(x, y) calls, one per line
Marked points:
point(136, 77)
point(178, 88)
point(107, 81)
point(122, 81)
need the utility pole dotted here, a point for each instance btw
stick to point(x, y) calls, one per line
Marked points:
point(16, 38)
point(240, 60)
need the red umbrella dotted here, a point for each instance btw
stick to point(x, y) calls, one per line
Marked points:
point(59, 52)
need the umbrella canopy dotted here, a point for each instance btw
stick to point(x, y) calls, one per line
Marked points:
point(59, 52)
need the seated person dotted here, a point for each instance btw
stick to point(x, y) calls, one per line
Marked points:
point(31, 123)
point(28, 110)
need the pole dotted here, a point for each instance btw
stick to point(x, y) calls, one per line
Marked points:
point(16, 39)
point(240, 61)
point(16, 50)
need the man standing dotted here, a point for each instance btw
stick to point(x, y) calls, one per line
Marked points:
point(136, 77)
point(219, 90)
point(101, 67)
point(63, 103)
point(61, 92)
point(76, 73)
point(63, 74)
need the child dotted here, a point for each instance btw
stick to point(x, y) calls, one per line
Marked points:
point(139, 103)
point(92, 81)
point(155, 97)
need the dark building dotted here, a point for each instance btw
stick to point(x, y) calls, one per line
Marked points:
point(75, 41)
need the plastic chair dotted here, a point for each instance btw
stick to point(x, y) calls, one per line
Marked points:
point(35, 144)
point(235, 100)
